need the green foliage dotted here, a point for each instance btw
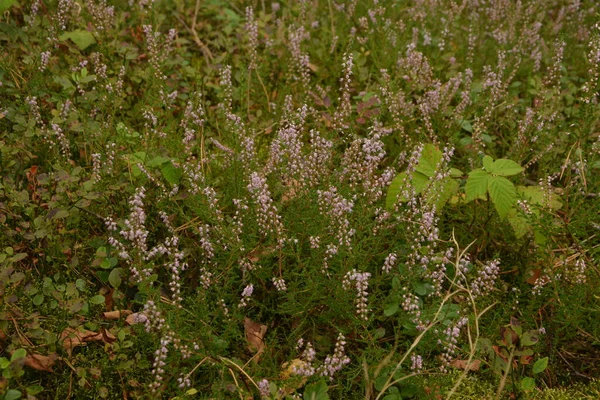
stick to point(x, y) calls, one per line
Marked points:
point(311, 153)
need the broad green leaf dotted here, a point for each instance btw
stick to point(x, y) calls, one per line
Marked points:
point(505, 167)
point(442, 191)
point(455, 173)
point(540, 365)
point(518, 222)
point(114, 278)
point(530, 338)
point(418, 182)
point(34, 389)
point(503, 194)
point(12, 394)
point(537, 195)
point(191, 392)
point(488, 163)
point(6, 4)
point(4, 362)
point(158, 160)
point(82, 38)
point(20, 353)
point(171, 173)
point(38, 299)
point(391, 309)
point(98, 299)
point(316, 391)
point(393, 396)
point(477, 184)
point(423, 288)
point(429, 160)
point(528, 383)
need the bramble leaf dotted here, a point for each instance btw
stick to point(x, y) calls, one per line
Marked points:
point(82, 38)
point(477, 184)
point(488, 163)
point(503, 194)
point(429, 160)
point(505, 167)
point(397, 186)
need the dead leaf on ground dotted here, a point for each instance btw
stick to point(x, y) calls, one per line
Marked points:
point(288, 373)
point(464, 364)
point(117, 314)
point(136, 318)
point(72, 338)
point(255, 334)
point(40, 362)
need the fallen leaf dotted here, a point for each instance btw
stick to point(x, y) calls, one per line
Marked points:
point(534, 275)
point(288, 385)
point(136, 318)
point(255, 334)
point(40, 362)
point(117, 314)
point(73, 338)
point(464, 364)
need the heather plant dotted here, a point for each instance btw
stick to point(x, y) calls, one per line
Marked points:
point(311, 199)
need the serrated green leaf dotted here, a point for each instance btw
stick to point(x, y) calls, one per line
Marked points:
point(396, 188)
point(540, 365)
point(316, 391)
point(442, 191)
point(505, 167)
point(82, 38)
point(171, 173)
point(423, 288)
point(488, 163)
point(477, 184)
point(97, 299)
point(455, 173)
point(503, 194)
point(431, 156)
point(158, 160)
point(539, 196)
point(518, 222)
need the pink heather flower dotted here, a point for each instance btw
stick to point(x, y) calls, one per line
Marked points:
point(390, 262)
point(486, 278)
point(246, 294)
point(361, 282)
point(335, 362)
point(263, 388)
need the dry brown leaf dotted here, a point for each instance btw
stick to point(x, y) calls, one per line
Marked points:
point(135, 318)
point(289, 386)
point(255, 334)
point(117, 314)
point(463, 364)
point(256, 254)
point(40, 362)
point(72, 338)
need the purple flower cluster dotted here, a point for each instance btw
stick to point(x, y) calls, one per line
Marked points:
point(361, 283)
